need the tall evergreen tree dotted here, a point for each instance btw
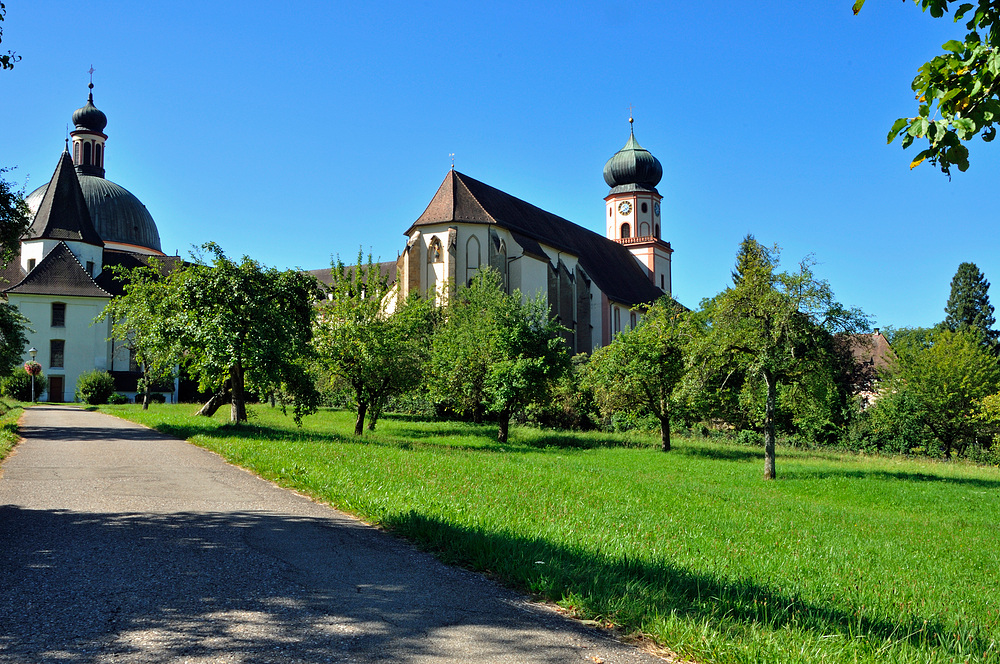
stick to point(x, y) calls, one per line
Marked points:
point(969, 303)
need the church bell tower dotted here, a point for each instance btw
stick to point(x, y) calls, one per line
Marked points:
point(88, 137)
point(633, 208)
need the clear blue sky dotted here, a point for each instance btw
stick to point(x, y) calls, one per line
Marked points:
point(293, 131)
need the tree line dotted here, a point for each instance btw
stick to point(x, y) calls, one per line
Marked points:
point(773, 356)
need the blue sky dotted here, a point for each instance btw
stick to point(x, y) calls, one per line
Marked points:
point(294, 131)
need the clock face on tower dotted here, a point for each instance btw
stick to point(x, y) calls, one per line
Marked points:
point(656, 208)
point(625, 208)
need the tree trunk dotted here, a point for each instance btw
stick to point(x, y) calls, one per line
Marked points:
point(772, 395)
point(213, 404)
point(145, 387)
point(359, 424)
point(503, 420)
point(239, 410)
point(665, 432)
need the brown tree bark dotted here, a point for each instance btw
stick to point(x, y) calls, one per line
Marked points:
point(665, 432)
point(504, 425)
point(213, 404)
point(359, 424)
point(239, 409)
point(772, 395)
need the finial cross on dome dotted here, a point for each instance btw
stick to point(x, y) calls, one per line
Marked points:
point(91, 72)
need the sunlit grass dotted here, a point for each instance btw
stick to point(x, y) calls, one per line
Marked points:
point(10, 411)
point(844, 558)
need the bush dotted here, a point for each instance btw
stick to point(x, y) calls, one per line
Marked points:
point(117, 399)
point(95, 387)
point(155, 397)
point(17, 385)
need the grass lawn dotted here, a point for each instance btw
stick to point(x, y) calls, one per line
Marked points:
point(10, 411)
point(843, 559)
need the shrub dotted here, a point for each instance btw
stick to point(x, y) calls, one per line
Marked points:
point(117, 399)
point(95, 387)
point(17, 385)
point(156, 397)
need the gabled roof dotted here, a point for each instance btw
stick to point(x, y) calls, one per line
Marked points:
point(63, 214)
point(59, 273)
point(462, 199)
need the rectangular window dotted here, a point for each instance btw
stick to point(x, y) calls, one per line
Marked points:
point(90, 268)
point(58, 314)
point(57, 348)
point(31, 264)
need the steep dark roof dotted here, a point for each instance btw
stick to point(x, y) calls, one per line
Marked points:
point(462, 199)
point(63, 214)
point(59, 273)
point(107, 279)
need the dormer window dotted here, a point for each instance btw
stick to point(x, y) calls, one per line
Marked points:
point(31, 264)
point(90, 268)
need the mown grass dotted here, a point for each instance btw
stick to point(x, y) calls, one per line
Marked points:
point(10, 411)
point(843, 559)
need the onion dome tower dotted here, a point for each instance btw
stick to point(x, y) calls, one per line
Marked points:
point(633, 208)
point(88, 137)
point(120, 218)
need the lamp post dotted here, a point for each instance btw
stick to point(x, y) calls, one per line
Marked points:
point(32, 352)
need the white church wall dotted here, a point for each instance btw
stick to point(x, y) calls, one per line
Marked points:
point(85, 346)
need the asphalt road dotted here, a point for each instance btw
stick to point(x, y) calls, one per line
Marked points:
point(119, 544)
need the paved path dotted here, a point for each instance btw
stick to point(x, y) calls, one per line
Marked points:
point(119, 544)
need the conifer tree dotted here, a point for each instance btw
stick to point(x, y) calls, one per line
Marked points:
point(969, 303)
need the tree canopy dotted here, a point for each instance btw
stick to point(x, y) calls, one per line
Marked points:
point(774, 325)
point(969, 303)
point(946, 379)
point(957, 92)
point(643, 366)
point(495, 351)
point(7, 59)
point(246, 323)
point(141, 321)
point(376, 353)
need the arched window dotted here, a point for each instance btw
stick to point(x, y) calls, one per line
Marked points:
point(626, 231)
point(76, 153)
point(643, 229)
point(86, 154)
point(434, 251)
point(97, 155)
point(657, 227)
point(471, 257)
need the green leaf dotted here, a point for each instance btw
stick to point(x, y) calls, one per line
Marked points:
point(858, 4)
point(953, 45)
point(965, 127)
point(897, 127)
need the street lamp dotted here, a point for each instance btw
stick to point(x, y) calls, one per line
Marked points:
point(32, 352)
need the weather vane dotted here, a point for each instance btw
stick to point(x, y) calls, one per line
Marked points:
point(452, 155)
point(91, 72)
point(630, 114)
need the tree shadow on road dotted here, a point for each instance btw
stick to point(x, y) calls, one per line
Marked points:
point(250, 587)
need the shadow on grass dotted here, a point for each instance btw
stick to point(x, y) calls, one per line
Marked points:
point(887, 476)
point(630, 592)
point(720, 453)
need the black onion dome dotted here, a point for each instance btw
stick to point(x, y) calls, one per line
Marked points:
point(118, 216)
point(633, 168)
point(90, 117)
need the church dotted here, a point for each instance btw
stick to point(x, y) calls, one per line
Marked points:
point(591, 282)
point(83, 226)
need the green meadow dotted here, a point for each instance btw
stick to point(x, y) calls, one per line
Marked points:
point(842, 559)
